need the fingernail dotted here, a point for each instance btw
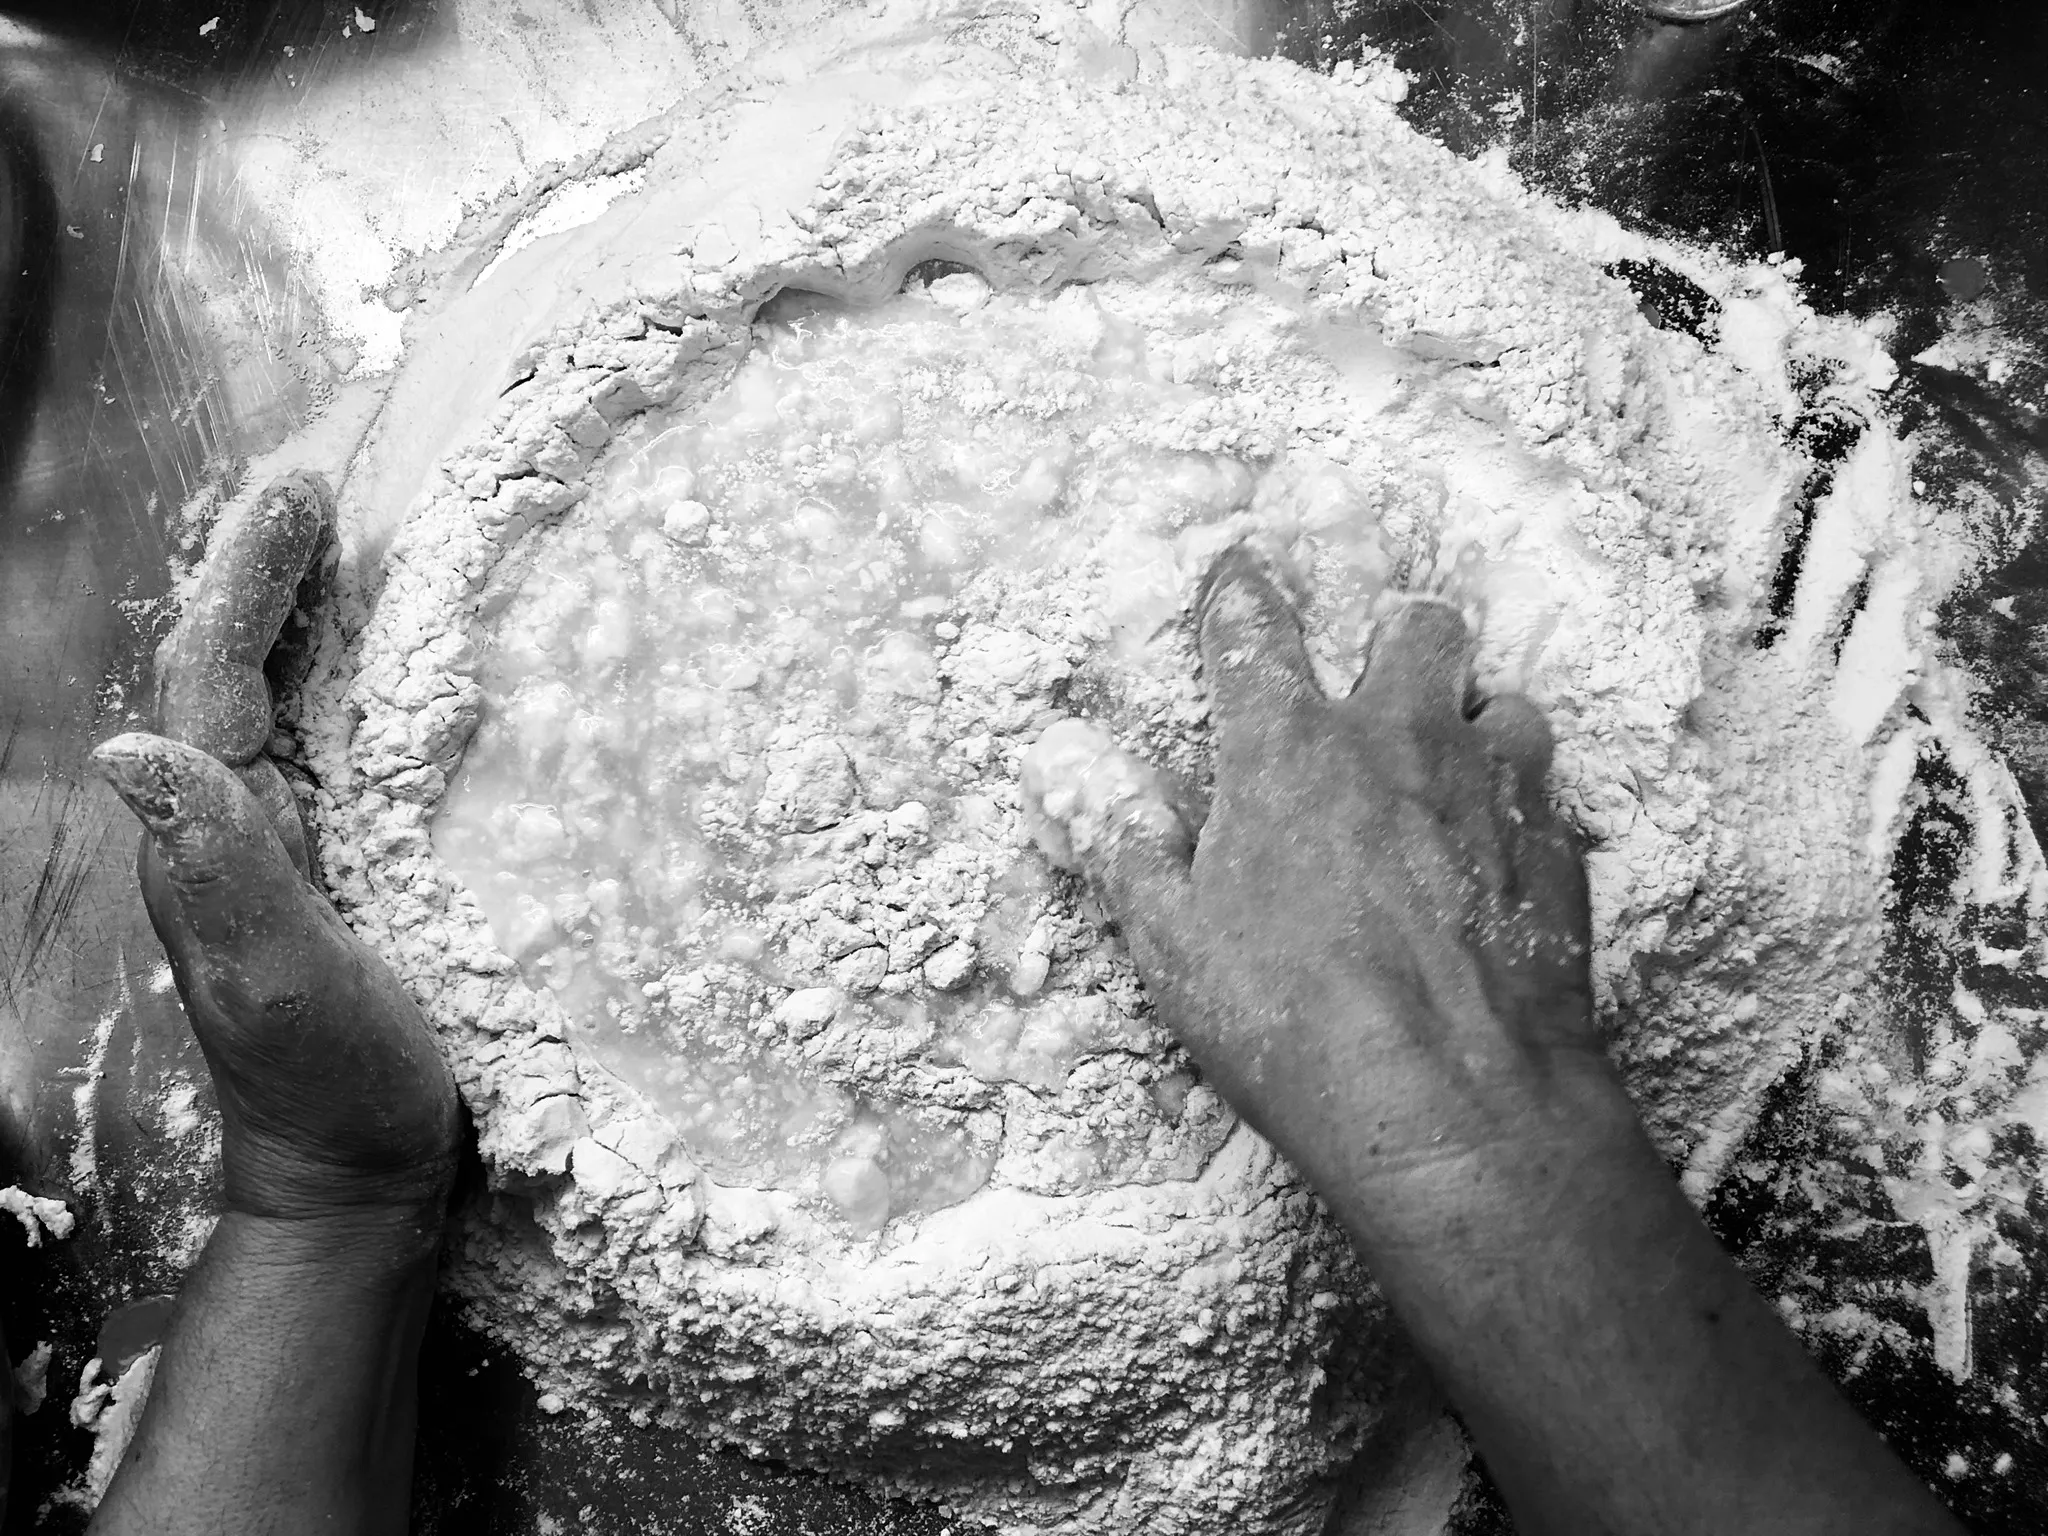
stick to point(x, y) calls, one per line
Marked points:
point(1249, 561)
point(142, 775)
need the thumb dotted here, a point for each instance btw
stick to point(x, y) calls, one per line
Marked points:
point(213, 845)
point(1093, 807)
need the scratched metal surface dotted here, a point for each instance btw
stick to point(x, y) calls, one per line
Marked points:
point(128, 384)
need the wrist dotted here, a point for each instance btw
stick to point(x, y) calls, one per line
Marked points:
point(270, 1176)
point(368, 1247)
point(1501, 1179)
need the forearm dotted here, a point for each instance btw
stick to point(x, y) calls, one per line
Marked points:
point(286, 1394)
point(1616, 1369)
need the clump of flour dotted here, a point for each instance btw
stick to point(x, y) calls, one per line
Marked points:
point(37, 1214)
point(823, 1114)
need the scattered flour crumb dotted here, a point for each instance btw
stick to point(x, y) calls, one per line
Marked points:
point(32, 1379)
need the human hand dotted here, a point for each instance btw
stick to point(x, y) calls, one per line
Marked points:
point(334, 1099)
point(1376, 946)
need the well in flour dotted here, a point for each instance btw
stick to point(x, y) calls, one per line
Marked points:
point(747, 704)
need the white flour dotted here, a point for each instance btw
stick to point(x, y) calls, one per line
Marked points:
point(1006, 1253)
point(37, 1215)
point(112, 1410)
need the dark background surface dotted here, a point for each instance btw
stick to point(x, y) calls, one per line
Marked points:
point(1899, 151)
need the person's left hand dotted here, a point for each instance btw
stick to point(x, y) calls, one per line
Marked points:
point(333, 1096)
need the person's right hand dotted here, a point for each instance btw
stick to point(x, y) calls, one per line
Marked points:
point(334, 1099)
point(1377, 945)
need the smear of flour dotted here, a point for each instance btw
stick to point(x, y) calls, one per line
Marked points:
point(1137, 1319)
point(111, 1410)
point(85, 1165)
point(569, 206)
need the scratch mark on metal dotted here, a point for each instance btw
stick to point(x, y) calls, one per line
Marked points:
point(67, 866)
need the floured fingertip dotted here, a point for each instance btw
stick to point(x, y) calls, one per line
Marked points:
point(1052, 781)
point(1248, 551)
point(302, 503)
point(1082, 794)
point(145, 775)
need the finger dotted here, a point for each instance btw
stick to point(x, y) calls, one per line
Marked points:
point(1517, 736)
point(213, 844)
point(291, 657)
point(1095, 808)
point(1258, 671)
point(1420, 663)
point(210, 686)
point(263, 781)
point(1550, 874)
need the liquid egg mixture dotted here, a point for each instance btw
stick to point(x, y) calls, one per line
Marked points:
point(743, 795)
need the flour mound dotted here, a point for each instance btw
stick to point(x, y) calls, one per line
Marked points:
point(840, 1127)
